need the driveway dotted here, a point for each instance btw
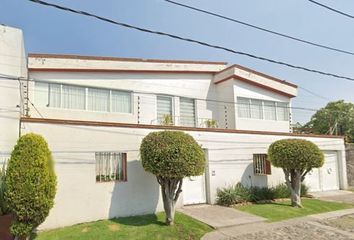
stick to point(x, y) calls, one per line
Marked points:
point(337, 196)
point(220, 217)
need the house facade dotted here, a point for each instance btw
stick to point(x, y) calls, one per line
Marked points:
point(95, 111)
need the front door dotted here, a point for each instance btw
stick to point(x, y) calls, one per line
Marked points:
point(194, 190)
point(330, 172)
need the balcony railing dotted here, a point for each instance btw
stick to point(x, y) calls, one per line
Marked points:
point(183, 121)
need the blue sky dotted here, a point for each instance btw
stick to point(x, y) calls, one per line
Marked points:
point(47, 30)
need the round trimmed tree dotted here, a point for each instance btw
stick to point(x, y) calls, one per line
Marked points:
point(171, 156)
point(296, 157)
point(30, 184)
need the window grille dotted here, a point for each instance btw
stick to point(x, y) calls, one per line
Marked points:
point(261, 165)
point(111, 166)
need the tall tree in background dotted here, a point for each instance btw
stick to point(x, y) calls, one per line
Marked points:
point(337, 118)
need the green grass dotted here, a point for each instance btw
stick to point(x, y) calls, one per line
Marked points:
point(139, 227)
point(278, 211)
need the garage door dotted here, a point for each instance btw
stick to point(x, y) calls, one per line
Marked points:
point(194, 190)
point(324, 178)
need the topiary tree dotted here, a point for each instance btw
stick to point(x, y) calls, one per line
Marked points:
point(171, 156)
point(30, 184)
point(296, 157)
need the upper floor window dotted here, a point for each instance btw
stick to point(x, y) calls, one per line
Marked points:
point(262, 109)
point(83, 98)
point(187, 112)
point(73, 97)
point(164, 110)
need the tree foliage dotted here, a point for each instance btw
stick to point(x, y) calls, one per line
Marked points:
point(171, 156)
point(296, 157)
point(336, 118)
point(3, 205)
point(30, 184)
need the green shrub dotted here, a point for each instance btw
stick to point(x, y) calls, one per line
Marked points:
point(233, 195)
point(261, 193)
point(30, 184)
point(281, 191)
point(240, 194)
point(304, 190)
point(3, 205)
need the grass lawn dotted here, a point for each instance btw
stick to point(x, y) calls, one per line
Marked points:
point(139, 227)
point(282, 210)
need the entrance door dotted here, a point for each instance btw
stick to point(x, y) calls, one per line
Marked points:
point(329, 172)
point(312, 180)
point(324, 178)
point(194, 190)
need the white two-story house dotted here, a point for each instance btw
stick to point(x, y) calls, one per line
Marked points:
point(94, 112)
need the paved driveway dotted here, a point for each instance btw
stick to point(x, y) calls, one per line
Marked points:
point(220, 217)
point(338, 196)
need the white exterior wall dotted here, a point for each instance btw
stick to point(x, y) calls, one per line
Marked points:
point(13, 63)
point(226, 106)
point(81, 199)
point(245, 90)
point(197, 86)
point(213, 101)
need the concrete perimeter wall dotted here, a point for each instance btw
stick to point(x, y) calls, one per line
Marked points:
point(350, 163)
point(81, 199)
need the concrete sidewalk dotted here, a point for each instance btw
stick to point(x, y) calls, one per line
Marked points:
point(292, 229)
point(220, 217)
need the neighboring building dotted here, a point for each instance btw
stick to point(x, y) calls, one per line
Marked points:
point(12, 63)
point(94, 112)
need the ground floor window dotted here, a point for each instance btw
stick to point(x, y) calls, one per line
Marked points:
point(111, 166)
point(261, 164)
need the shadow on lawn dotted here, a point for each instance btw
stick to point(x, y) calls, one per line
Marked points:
point(150, 219)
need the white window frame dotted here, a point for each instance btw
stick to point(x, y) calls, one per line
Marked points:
point(195, 111)
point(172, 108)
point(86, 98)
point(263, 109)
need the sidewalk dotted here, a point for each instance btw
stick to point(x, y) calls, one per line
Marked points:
point(293, 229)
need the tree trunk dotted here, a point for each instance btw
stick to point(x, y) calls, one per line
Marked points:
point(170, 189)
point(296, 195)
point(293, 181)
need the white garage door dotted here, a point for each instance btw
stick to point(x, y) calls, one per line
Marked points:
point(324, 178)
point(194, 190)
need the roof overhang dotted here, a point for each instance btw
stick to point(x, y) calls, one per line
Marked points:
point(236, 72)
point(75, 63)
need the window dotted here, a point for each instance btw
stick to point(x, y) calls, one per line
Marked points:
point(282, 111)
point(84, 98)
point(73, 97)
point(98, 100)
point(41, 94)
point(262, 109)
point(47, 94)
point(164, 108)
point(269, 111)
point(256, 109)
point(121, 102)
point(111, 166)
point(243, 105)
point(261, 166)
point(187, 112)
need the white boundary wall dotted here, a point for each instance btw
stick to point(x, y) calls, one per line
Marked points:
point(81, 199)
